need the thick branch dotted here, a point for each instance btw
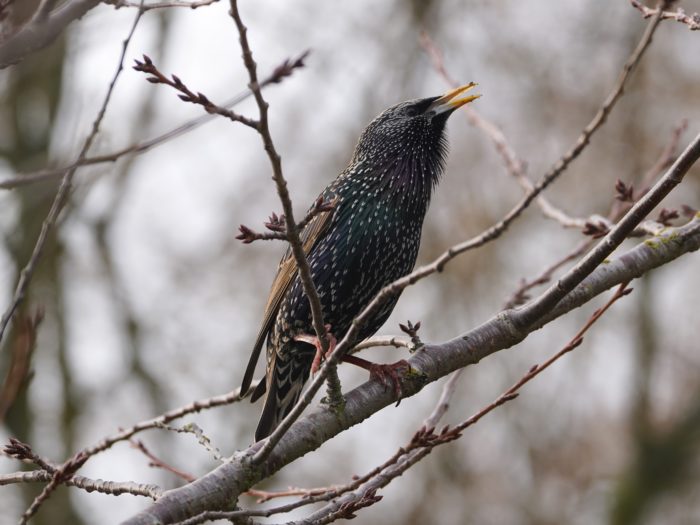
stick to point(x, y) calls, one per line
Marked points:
point(40, 31)
point(536, 309)
point(221, 486)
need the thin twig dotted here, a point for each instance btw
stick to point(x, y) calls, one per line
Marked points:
point(536, 309)
point(113, 488)
point(23, 452)
point(263, 495)
point(395, 341)
point(692, 21)
point(156, 462)
point(118, 4)
point(283, 70)
point(292, 231)
point(60, 475)
point(515, 165)
point(438, 264)
point(158, 422)
point(426, 439)
point(202, 438)
point(278, 228)
point(617, 210)
point(147, 66)
point(66, 470)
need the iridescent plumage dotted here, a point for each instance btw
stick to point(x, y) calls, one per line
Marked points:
point(370, 239)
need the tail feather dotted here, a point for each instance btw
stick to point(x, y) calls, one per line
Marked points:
point(284, 386)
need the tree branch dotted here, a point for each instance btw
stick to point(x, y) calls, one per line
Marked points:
point(118, 4)
point(113, 488)
point(221, 486)
point(63, 191)
point(186, 95)
point(490, 234)
point(41, 31)
point(292, 232)
point(692, 21)
point(282, 71)
point(536, 309)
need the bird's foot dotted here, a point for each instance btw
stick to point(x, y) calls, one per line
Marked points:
point(387, 374)
point(314, 340)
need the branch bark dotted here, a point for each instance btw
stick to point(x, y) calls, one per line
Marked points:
point(41, 31)
point(217, 489)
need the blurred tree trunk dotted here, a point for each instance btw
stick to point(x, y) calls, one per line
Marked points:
point(31, 103)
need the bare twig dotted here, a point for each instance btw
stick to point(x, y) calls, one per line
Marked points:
point(155, 462)
point(282, 71)
point(426, 439)
point(398, 342)
point(263, 495)
point(436, 361)
point(58, 476)
point(320, 206)
point(692, 21)
point(202, 438)
point(62, 195)
point(24, 452)
point(66, 470)
point(490, 234)
point(536, 309)
point(276, 224)
point(292, 230)
point(617, 210)
point(186, 95)
point(162, 420)
point(160, 5)
point(113, 488)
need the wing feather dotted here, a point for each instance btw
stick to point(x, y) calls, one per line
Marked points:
point(286, 273)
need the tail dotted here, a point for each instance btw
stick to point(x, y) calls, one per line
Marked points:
point(284, 385)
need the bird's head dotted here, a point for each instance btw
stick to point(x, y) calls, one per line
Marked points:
point(410, 135)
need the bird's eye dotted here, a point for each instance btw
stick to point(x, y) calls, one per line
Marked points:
point(411, 111)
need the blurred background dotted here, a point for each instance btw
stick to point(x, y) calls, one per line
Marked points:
point(150, 303)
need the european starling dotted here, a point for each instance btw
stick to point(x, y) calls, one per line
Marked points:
point(369, 239)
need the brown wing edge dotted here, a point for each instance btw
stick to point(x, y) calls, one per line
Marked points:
point(285, 276)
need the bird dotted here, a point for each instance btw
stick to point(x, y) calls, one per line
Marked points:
point(368, 239)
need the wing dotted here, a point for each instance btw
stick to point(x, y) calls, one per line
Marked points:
point(285, 276)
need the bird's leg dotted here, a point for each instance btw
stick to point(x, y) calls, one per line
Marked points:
point(313, 340)
point(385, 373)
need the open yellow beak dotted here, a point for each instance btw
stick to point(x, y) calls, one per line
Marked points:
point(451, 100)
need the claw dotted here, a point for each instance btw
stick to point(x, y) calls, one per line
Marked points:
point(313, 340)
point(385, 374)
point(389, 374)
